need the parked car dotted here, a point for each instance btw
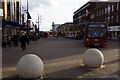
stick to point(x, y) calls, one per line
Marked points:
point(79, 36)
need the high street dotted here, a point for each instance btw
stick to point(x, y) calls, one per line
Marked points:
point(62, 58)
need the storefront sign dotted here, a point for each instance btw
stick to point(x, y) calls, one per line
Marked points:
point(114, 28)
point(1, 12)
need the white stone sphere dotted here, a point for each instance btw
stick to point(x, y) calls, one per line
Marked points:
point(30, 66)
point(93, 58)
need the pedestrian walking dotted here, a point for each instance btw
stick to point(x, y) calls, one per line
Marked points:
point(27, 39)
point(45, 35)
point(23, 41)
point(4, 41)
point(35, 38)
point(8, 40)
point(15, 40)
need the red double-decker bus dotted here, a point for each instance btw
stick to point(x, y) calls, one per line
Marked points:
point(96, 34)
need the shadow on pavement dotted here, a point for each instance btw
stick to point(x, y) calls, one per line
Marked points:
point(111, 62)
point(69, 73)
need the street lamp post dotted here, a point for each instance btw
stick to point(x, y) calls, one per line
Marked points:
point(38, 22)
point(39, 19)
point(27, 18)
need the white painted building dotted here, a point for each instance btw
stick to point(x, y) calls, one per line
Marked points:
point(54, 27)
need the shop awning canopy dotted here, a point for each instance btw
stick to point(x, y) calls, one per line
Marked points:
point(11, 24)
point(8, 22)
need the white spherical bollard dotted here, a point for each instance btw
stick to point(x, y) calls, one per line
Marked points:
point(93, 58)
point(30, 66)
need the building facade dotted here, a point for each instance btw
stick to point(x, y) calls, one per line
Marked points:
point(1, 14)
point(108, 12)
point(66, 28)
point(54, 27)
point(14, 19)
point(10, 23)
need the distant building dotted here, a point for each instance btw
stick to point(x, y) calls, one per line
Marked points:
point(66, 28)
point(54, 27)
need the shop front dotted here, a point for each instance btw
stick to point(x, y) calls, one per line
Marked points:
point(114, 32)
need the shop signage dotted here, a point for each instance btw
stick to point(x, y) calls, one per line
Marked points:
point(114, 28)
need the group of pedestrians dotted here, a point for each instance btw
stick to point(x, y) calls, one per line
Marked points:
point(15, 40)
point(8, 40)
point(22, 41)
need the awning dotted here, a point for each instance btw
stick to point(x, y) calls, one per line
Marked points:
point(11, 24)
point(25, 28)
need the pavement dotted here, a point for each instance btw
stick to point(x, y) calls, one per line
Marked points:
point(66, 66)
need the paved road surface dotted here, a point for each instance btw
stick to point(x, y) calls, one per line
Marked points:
point(62, 58)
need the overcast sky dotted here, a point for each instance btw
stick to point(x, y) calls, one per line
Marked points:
point(58, 11)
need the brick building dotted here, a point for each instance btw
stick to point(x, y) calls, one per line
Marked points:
point(108, 12)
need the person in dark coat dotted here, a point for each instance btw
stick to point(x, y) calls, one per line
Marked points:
point(27, 39)
point(23, 41)
point(8, 40)
point(15, 38)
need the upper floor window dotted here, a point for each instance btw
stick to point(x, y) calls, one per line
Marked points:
point(108, 19)
point(117, 6)
point(105, 19)
point(92, 16)
point(102, 11)
point(97, 13)
point(108, 9)
point(105, 10)
point(112, 19)
point(112, 7)
point(117, 17)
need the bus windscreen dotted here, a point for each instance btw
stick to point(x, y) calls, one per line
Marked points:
point(97, 25)
point(96, 32)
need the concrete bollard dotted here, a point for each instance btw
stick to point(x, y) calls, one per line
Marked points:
point(93, 58)
point(30, 66)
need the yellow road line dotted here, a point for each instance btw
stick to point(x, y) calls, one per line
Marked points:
point(13, 68)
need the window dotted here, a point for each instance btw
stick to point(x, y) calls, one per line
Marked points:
point(108, 9)
point(108, 19)
point(105, 19)
point(112, 7)
point(117, 6)
point(97, 14)
point(92, 16)
point(103, 12)
point(117, 17)
point(112, 19)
